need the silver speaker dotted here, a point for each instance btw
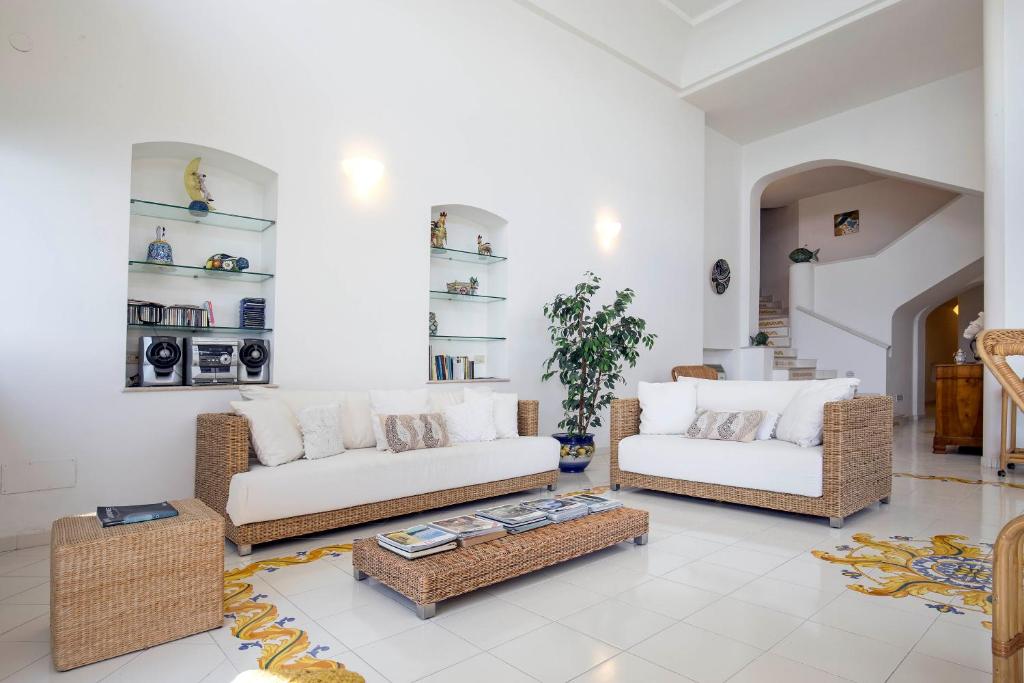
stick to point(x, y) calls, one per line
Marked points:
point(254, 362)
point(161, 361)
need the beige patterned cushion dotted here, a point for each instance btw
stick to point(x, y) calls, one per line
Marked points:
point(411, 432)
point(726, 426)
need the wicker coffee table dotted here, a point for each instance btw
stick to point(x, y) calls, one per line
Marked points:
point(429, 580)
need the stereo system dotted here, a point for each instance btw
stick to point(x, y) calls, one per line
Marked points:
point(193, 361)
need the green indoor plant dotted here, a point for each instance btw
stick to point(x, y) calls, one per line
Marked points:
point(591, 348)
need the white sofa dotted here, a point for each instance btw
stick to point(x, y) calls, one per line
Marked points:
point(362, 484)
point(851, 469)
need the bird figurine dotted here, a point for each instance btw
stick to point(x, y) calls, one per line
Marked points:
point(483, 248)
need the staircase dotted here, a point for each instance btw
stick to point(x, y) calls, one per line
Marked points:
point(774, 322)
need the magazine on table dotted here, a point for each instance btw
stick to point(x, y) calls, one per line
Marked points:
point(421, 553)
point(485, 538)
point(559, 509)
point(544, 521)
point(467, 526)
point(596, 503)
point(512, 515)
point(417, 538)
point(114, 515)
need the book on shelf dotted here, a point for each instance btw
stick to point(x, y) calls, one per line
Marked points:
point(596, 503)
point(512, 515)
point(559, 509)
point(417, 538)
point(467, 526)
point(115, 515)
point(443, 367)
point(421, 553)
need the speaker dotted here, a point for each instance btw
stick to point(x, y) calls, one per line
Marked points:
point(254, 362)
point(160, 361)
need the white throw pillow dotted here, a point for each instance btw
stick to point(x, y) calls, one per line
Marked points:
point(767, 429)
point(398, 402)
point(322, 433)
point(803, 420)
point(439, 400)
point(355, 408)
point(275, 433)
point(471, 421)
point(666, 407)
point(506, 410)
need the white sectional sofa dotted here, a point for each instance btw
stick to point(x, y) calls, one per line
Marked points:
point(262, 504)
point(851, 469)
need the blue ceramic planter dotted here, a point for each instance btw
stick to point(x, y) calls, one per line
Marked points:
point(576, 452)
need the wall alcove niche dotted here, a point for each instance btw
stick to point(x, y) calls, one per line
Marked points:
point(471, 340)
point(242, 223)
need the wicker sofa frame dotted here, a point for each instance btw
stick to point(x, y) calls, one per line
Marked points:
point(223, 450)
point(857, 462)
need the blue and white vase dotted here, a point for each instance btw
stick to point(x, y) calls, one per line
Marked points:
point(577, 450)
point(159, 249)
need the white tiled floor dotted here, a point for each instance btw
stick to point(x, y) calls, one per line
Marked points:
point(722, 593)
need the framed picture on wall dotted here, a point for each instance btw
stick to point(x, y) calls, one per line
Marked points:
point(846, 223)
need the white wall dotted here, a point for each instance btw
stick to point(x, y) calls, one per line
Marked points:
point(483, 104)
point(780, 235)
point(888, 208)
point(721, 221)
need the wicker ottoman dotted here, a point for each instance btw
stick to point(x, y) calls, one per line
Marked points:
point(124, 588)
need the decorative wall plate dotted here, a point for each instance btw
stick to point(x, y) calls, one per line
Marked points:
point(720, 276)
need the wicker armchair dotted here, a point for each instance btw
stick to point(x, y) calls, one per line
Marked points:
point(223, 448)
point(857, 462)
point(699, 371)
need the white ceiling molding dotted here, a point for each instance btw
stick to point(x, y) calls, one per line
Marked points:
point(701, 17)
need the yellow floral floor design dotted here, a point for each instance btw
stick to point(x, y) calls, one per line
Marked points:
point(959, 480)
point(945, 572)
point(285, 648)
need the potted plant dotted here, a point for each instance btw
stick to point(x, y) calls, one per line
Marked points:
point(591, 348)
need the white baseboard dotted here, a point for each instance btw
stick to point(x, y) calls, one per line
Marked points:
point(29, 539)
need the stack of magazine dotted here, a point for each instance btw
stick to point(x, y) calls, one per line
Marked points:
point(417, 541)
point(596, 503)
point(559, 509)
point(516, 518)
point(471, 529)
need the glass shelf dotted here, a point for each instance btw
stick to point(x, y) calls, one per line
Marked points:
point(471, 298)
point(208, 328)
point(141, 207)
point(196, 272)
point(464, 256)
point(453, 337)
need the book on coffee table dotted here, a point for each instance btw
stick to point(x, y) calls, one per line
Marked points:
point(467, 526)
point(421, 553)
point(417, 539)
point(512, 515)
point(559, 509)
point(115, 515)
point(596, 503)
point(529, 526)
point(475, 540)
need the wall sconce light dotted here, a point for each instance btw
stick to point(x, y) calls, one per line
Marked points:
point(364, 174)
point(608, 233)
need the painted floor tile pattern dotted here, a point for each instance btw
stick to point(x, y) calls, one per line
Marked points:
point(721, 593)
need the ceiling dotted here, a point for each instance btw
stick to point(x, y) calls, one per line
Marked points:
point(786, 191)
point(696, 11)
point(908, 44)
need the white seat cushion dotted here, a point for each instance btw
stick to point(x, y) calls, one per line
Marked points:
point(773, 465)
point(367, 475)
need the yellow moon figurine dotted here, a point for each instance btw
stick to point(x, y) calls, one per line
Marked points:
point(195, 192)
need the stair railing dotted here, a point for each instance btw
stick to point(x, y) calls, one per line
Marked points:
point(845, 328)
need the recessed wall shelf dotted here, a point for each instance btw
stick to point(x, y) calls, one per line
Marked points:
point(172, 212)
point(451, 337)
point(479, 380)
point(211, 328)
point(471, 298)
point(464, 256)
point(196, 272)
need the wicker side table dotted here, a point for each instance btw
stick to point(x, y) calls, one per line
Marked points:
point(124, 588)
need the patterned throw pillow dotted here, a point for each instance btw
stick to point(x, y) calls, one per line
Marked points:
point(411, 432)
point(738, 426)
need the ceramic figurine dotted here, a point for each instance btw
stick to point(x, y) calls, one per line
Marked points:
point(959, 357)
point(759, 339)
point(235, 264)
point(483, 248)
point(195, 186)
point(803, 255)
point(433, 324)
point(160, 250)
point(438, 233)
point(474, 285)
point(457, 287)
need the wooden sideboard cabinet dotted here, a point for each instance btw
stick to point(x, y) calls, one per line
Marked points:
point(958, 416)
